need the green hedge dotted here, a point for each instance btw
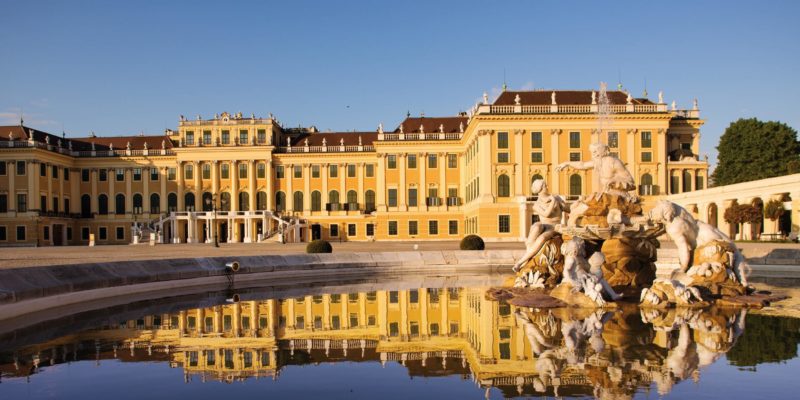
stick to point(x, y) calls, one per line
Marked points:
point(319, 246)
point(472, 242)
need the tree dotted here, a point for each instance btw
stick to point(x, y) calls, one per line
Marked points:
point(751, 149)
point(741, 214)
point(773, 211)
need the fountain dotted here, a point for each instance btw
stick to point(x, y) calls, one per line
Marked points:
point(602, 247)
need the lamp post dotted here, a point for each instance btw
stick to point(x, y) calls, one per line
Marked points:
point(213, 203)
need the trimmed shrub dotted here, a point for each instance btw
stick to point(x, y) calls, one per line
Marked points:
point(319, 246)
point(472, 242)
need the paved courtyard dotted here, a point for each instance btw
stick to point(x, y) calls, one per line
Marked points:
point(13, 257)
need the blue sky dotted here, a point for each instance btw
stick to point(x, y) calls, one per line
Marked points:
point(128, 67)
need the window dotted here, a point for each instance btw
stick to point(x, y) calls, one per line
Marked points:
point(46, 233)
point(502, 157)
point(392, 197)
point(242, 171)
point(352, 200)
point(412, 197)
point(206, 137)
point(261, 170)
point(536, 140)
point(20, 167)
point(315, 171)
point(647, 139)
point(244, 202)
point(3, 234)
point(370, 230)
point(206, 171)
point(226, 137)
point(504, 223)
point(351, 229)
point(575, 185)
point(84, 233)
point(119, 174)
point(102, 233)
point(391, 161)
point(413, 228)
point(536, 157)
point(43, 203)
point(698, 182)
point(120, 233)
point(3, 203)
point(392, 228)
point(172, 201)
point(189, 137)
point(687, 181)
point(574, 156)
point(503, 186)
point(613, 140)
point(262, 135)
point(433, 161)
point(452, 227)
point(351, 171)
point(21, 234)
point(119, 204)
point(334, 229)
point(433, 227)
point(55, 204)
point(452, 161)
point(316, 201)
point(333, 171)
point(188, 171)
point(502, 140)
point(85, 175)
point(298, 201)
point(102, 204)
point(225, 171)
point(42, 169)
point(54, 172)
point(137, 174)
point(647, 156)
point(261, 200)
point(242, 137)
point(66, 174)
point(298, 171)
point(66, 205)
point(646, 185)
point(433, 197)
point(412, 161)
point(575, 140)
point(155, 203)
point(333, 200)
point(370, 172)
point(137, 203)
point(171, 174)
point(369, 201)
point(3, 167)
point(673, 184)
point(153, 174)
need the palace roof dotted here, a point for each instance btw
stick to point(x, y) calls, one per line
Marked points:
point(544, 97)
point(432, 124)
point(332, 138)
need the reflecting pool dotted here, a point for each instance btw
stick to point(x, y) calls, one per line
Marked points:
point(428, 338)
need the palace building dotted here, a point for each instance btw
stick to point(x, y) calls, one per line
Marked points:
point(249, 179)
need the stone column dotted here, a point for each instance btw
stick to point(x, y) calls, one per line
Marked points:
point(11, 168)
point(251, 190)
point(518, 161)
point(179, 177)
point(631, 150)
point(289, 187)
point(423, 184)
point(128, 190)
point(360, 174)
point(306, 189)
point(198, 186)
point(234, 185)
point(49, 181)
point(270, 186)
point(61, 197)
point(164, 194)
point(661, 158)
point(555, 182)
point(442, 177)
point(33, 193)
point(524, 223)
point(381, 181)
point(93, 178)
point(342, 188)
point(146, 190)
point(215, 183)
point(402, 190)
point(324, 175)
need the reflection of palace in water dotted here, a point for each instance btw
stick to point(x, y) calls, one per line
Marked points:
point(432, 332)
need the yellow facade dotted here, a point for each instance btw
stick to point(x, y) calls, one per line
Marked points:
point(430, 178)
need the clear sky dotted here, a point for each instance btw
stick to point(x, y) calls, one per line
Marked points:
point(134, 66)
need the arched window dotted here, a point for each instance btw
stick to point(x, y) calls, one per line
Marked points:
point(352, 197)
point(188, 201)
point(333, 200)
point(316, 201)
point(646, 185)
point(687, 181)
point(86, 206)
point(575, 186)
point(244, 201)
point(224, 201)
point(369, 201)
point(297, 201)
point(155, 203)
point(712, 214)
point(102, 204)
point(172, 202)
point(137, 203)
point(280, 201)
point(503, 186)
point(207, 202)
point(261, 200)
point(119, 203)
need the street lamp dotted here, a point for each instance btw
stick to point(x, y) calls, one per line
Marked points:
point(213, 203)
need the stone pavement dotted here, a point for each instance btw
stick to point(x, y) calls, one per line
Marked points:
point(16, 257)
